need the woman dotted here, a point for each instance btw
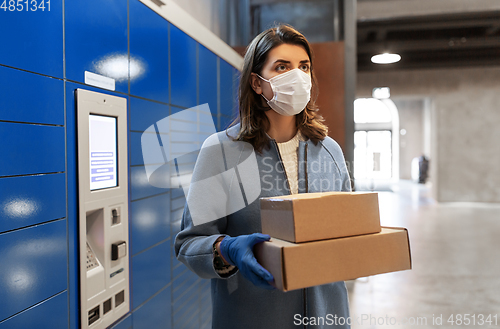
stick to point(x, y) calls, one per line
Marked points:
point(292, 153)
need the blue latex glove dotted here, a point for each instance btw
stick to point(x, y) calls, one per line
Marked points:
point(238, 251)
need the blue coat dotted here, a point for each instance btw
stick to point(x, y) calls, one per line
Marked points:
point(236, 302)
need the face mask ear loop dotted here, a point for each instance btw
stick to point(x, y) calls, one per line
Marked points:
point(266, 81)
point(262, 78)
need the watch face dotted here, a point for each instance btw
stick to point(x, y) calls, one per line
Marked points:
point(218, 262)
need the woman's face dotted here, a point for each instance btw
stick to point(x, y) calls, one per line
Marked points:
point(280, 59)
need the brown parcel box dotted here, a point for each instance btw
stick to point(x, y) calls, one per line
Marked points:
point(301, 265)
point(321, 215)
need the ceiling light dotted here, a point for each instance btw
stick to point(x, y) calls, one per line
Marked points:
point(381, 93)
point(386, 58)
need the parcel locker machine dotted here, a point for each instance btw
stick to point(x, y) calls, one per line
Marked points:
point(102, 208)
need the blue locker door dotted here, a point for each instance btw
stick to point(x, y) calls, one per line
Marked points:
point(96, 40)
point(32, 36)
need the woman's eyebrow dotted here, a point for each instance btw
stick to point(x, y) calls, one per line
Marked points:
point(288, 62)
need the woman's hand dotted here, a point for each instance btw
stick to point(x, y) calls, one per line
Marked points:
point(238, 251)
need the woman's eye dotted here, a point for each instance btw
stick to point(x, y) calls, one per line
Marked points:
point(305, 67)
point(280, 68)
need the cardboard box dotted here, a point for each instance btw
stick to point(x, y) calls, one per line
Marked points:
point(301, 265)
point(318, 216)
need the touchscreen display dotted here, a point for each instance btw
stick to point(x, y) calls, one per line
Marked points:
point(103, 147)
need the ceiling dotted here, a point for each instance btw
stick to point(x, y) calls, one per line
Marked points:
point(378, 9)
point(437, 40)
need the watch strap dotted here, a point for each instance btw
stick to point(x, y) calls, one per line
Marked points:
point(219, 263)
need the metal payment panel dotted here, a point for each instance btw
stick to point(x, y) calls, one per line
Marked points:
point(103, 208)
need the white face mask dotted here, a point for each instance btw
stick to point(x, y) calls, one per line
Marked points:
point(292, 92)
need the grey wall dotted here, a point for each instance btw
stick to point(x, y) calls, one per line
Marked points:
point(465, 115)
point(228, 19)
point(207, 12)
point(411, 145)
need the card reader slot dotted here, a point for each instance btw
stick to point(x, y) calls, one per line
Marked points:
point(94, 314)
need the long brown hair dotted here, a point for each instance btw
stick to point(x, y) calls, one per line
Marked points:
point(254, 122)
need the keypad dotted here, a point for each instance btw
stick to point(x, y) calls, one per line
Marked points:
point(92, 261)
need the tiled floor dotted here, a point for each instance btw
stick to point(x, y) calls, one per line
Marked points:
point(456, 265)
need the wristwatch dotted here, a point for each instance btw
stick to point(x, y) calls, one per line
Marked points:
point(218, 260)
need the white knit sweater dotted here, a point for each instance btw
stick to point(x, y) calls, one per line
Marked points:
point(288, 151)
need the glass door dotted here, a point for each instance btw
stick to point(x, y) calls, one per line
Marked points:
point(373, 154)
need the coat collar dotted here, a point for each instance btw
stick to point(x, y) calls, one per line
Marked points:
point(233, 131)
